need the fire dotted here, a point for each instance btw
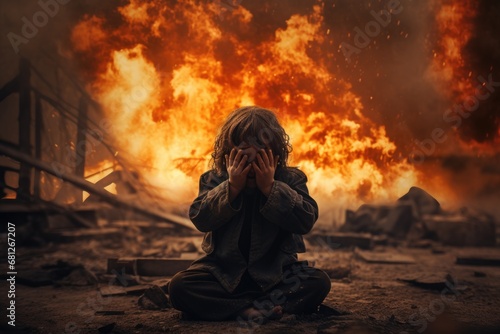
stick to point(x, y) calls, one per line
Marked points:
point(452, 71)
point(96, 173)
point(449, 67)
point(168, 76)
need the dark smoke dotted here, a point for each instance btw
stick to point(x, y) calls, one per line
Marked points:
point(483, 53)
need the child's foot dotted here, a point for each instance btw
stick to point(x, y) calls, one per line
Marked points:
point(253, 314)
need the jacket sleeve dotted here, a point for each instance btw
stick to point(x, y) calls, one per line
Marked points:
point(211, 209)
point(289, 205)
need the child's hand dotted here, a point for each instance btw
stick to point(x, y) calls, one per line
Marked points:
point(264, 170)
point(236, 169)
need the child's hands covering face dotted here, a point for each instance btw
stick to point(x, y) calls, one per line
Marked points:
point(264, 170)
point(237, 169)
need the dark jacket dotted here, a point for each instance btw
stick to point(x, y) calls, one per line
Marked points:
point(277, 225)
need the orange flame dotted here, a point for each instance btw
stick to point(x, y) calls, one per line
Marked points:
point(454, 28)
point(450, 68)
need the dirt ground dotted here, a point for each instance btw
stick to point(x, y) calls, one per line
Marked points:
point(364, 298)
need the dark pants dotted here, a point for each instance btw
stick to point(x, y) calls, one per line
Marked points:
point(200, 295)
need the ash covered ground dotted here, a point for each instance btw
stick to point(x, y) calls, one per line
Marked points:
point(433, 294)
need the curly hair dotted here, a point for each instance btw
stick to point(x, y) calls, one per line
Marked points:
point(256, 126)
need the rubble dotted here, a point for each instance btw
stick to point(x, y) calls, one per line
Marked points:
point(421, 202)
point(78, 277)
point(62, 221)
point(418, 215)
point(111, 312)
point(384, 258)
point(478, 261)
point(107, 328)
point(461, 230)
point(154, 298)
point(431, 281)
point(341, 240)
point(60, 273)
point(112, 291)
point(393, 220)
point(84, 234)
point(136, 290)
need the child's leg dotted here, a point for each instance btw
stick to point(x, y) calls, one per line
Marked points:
point(302, 290)
point(199, 294)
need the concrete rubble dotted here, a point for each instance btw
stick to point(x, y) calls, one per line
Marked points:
point(417, 215)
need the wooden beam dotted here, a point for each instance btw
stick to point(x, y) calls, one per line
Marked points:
point(385, 257)
point(93, 189)
point(81, 144)
point(38, 143)
point(9, 88)
point(24, 126)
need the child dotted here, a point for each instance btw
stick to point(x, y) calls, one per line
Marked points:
point(253, 210)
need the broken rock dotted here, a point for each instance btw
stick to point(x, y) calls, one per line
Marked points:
point(79, 277)
point(154, 299)
point(393, 220)
point(421, 201)
point(431, 281)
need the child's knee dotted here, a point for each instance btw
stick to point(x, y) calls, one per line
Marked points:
point(320, 282)
point(176, 287)
point(324, 282)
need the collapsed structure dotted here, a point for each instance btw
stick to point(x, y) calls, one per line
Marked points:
point(419, 215)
